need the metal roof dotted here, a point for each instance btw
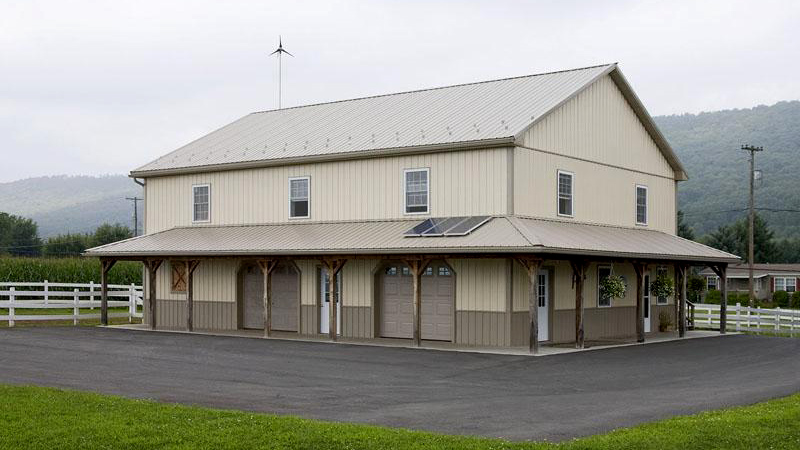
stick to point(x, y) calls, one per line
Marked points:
point(484, 113)
point(499, 235)
point(759, 270)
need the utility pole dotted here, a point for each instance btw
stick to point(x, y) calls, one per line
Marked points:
point(135, 201)
point(750, 250)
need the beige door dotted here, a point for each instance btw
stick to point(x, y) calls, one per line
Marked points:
point(285, 295)
point(397, 302)
point(284, 298)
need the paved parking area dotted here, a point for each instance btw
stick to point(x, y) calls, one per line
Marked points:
point(514, 397)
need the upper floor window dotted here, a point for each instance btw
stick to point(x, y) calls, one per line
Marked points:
point(641, 205)
point(417, 190)
point(788, 284)
point(565, 182)
point(201, 202)
point(298, 197)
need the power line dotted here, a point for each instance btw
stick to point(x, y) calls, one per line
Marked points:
point(741, 210)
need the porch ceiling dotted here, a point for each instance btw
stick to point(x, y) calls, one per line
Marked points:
point(504, 234)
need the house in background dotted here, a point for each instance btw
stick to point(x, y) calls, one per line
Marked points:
point(767, 278)
point(482, 214)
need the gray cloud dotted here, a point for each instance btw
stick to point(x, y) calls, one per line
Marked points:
point(103, 87)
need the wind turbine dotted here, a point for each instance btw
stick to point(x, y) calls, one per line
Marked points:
point(280, 51)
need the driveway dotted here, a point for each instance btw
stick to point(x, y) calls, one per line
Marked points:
point(514, 397)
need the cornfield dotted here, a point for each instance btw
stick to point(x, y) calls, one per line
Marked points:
point(66, 270)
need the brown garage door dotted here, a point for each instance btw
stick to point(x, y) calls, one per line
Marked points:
point(397, 302)
point(284, 298)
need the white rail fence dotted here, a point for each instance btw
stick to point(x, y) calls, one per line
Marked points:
point(744, 318)
point(60, 296)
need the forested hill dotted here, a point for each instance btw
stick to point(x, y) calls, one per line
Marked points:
point(71, 204)
point(709, 147)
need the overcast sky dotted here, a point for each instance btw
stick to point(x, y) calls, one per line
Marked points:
point(97, 87)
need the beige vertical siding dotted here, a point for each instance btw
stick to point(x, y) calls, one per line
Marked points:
point(308, 281)
point(358, 282)
point(602, 194)
point(480, 284)
point(461, 183)
point(599, 125)
point(214, 280)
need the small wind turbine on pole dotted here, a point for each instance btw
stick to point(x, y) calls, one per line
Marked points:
point(280, 51)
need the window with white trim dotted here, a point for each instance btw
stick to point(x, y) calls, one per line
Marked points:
point(299, 197)
point(201, 203)
point(788, 284)
point(661, 272)
point(641, 205)
point(565, 182)
point(603, 272)
point(711, 283)
point(417, 190)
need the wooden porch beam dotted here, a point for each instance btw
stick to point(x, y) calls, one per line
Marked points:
point(190, 265)
point(105, 267)
point(417, 267)
point(532, 265)
point(579, 268)
point(267, 267)
point(152, 266)
point(722, 272)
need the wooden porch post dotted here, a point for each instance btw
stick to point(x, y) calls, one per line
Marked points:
point(152, 270)
point(578, 279)
point(105, 267)
point(417, 267)
point(532, 265)
point(190, 265)
point(333, 266)
point(678, 285)
point(640, 268)
point(267, 266)
point(722, 272)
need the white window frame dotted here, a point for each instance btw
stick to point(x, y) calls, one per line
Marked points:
point(786, 284)
point(716, 282)
point(191, 203)
point(571, 193)
point(646, 204)
point(610, 300)
point(427, 171)
point(289, 195)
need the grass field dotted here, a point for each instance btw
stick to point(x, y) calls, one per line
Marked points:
point(65, 311)
point(45, 418)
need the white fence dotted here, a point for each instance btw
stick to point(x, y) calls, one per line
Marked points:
point(73, 296)
point(743, 318)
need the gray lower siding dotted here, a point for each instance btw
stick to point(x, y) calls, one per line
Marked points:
point(207, 315)
point(357, 322)
point(481, 329)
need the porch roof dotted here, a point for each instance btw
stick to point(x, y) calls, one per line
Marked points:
point(501, 234)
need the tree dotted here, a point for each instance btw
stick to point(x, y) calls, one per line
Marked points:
point(66, 244)
point(724, 239)
point(18, 236)
point(107, 233)
point(684, 230)
point(734, 239)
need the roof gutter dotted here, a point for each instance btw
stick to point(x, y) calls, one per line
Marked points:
point(394, 151)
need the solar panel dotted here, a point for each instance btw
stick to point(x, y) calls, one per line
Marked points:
point(419, 228)
point(467, 226)
point(440, 226)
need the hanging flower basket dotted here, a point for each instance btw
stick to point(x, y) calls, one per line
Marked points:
point(662, 286)
point(612, 286)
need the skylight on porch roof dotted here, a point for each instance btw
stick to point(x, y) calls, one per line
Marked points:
point(447, 226)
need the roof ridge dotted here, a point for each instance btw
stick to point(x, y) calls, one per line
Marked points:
point(432, 89)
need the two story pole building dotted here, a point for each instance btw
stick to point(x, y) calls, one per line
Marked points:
point(482, 214)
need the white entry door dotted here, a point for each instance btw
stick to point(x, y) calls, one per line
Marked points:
point(325, 302)
point(544, 305)
point(646, 305)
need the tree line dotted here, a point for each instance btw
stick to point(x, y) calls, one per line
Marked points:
point(19, 236)
point(733, 238)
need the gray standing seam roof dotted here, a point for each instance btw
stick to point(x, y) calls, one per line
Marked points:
point(499, 235)
point(467, 113)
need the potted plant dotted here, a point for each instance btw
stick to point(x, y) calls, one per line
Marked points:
point(662, 286)
point(612, 286)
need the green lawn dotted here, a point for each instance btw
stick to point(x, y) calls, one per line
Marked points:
point(64, 311)
point(45, 418)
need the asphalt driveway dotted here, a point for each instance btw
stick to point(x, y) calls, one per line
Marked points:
point(514, 397)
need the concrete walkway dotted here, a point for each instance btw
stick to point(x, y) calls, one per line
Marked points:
point(515, 397)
